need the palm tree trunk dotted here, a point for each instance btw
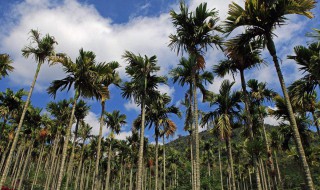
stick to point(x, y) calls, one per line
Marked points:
point(249, 122)
point(131, 174)
point(26, 163)
point(80, 165)
point(293, 124)
point(96, 171)
point(269, 155)
point(141, 145)
point(38, 167)
point(164, 165)
point(157, 162)
point(196, 131)
point(70, 167)
point(220, 167)
point(108, 168)
point(278, 170)
point(230, 160)
point(192, 163)
point(16, 137)
point(4, 155)
point(66, 142)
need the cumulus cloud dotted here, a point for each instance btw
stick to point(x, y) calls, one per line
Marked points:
point(131, 105)
point(76, 25)
point(166, 89)
point(123, 135)
point(93, 120)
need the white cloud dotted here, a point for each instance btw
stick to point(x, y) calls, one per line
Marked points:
point(272, 121)
point(131, 105)
point(76, 25)
point(93, 120)
point(166, 89)
point(123, 135)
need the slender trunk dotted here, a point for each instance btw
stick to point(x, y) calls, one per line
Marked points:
point(293, 124)
point(196, 131)
point(157, 164)
point(270, 163)
point(220, 167)
point(250, 180)
point(66, 142)
point(80, 165)
point(263, 174)
point(96, 171)
point(278, 170)
point(54, 157)
point(192, 164)
point(141, 145)
point(26, 163)
point(230, 160)
point(70, 167)
point(16, 137)
point(34, 182)
point(108, 167)
point(131, 174)
point(249, 122)
point(164, 164)
point(4, 155)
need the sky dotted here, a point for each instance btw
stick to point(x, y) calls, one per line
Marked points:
point(108, 28)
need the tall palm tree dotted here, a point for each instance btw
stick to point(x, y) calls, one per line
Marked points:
point(194, 35)
point(80, 113)
point(260, 18)
point(111, 76)
point(157, 115)
point(41, 52)
point(240, 58)
point(10, 104)
point(114, 121)
point(142, 86)
point(84, 76)
point(224, 117)
point(5, 65)
point(258, 94)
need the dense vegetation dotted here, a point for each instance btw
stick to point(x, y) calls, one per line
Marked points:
point(238, 151)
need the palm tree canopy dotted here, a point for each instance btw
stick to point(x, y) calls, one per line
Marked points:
point(81, 110)
point(239, 57)
point(115, 120)
point(5, 65)
point(308, 58)
point(84, 75)
point(228, 108)
point(44, 46)
point(194, 31)
point(10, 101)
point(261, 17)
point(259, 91)
point(182, 74)
point(143, 82)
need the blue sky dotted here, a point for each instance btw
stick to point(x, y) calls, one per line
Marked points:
point(109, 28)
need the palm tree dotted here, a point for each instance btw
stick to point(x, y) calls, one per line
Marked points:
point(260, 19)
point(258, 94)
point(193, 35)
point(44, 48)
point(308, 58)
point(80, 113)
point(110, 77)
point(157, 115)
point(5, 65)
point(10, 104)
point(224, 117)
point(114, 121)
point(142, 86)
point(240, 58)
point(84, 76)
